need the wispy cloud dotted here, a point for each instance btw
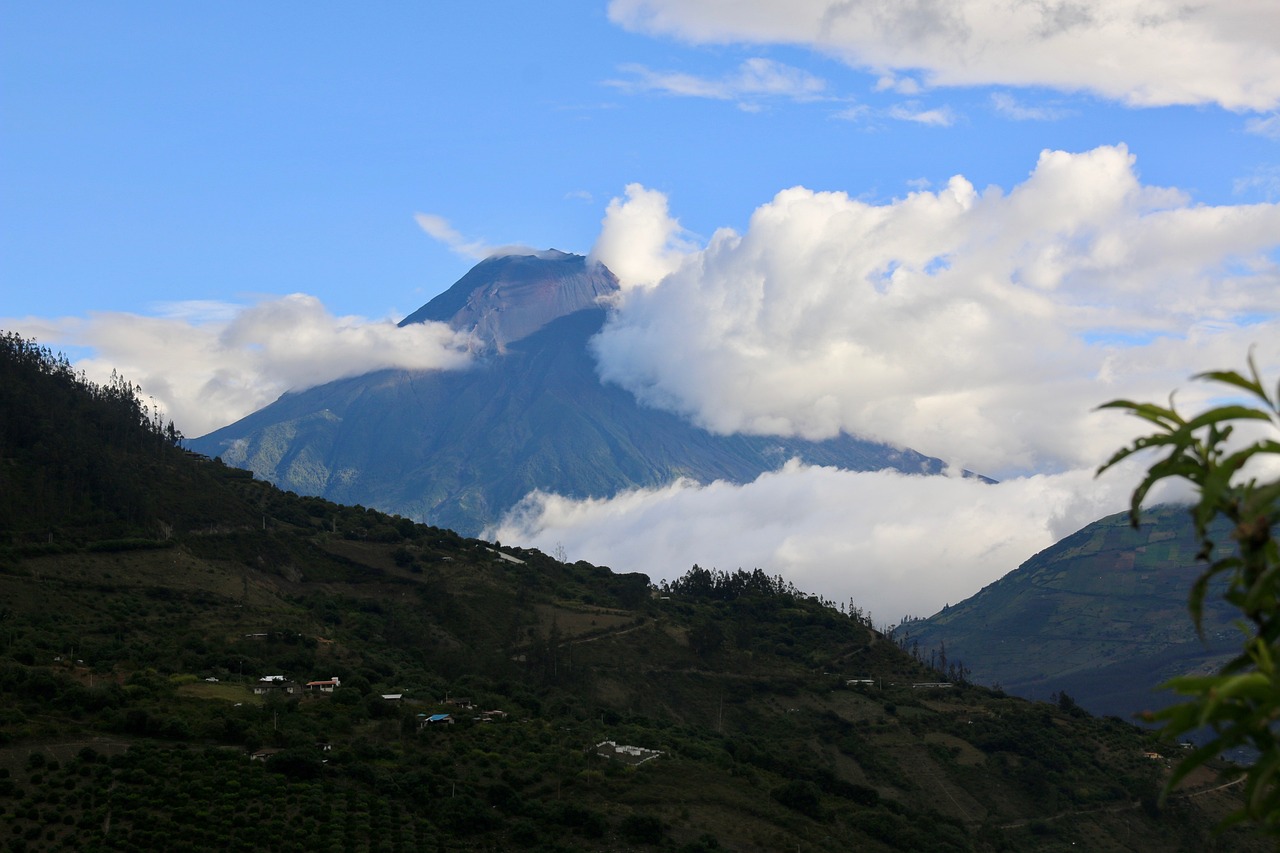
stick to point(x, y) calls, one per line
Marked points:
point(1268, 126)
point(1009, 107)
point(439, 228)
point(912, 111)
point(900, 85)
point(755, 80)
point(1263, 183)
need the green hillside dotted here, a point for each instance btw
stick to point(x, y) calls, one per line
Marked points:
point(1101, 615)
point(145, 592)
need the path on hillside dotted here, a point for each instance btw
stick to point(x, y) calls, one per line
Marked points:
point(605, 634)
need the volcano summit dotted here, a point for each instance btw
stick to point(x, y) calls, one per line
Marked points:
point(458, 448)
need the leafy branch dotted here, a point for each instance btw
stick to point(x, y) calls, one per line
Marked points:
point(1240, 704)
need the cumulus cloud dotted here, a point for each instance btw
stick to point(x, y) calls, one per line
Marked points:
point(979, 326)
point(896, 544)
point(754, 79)
point(1139, 52)
point(209, 364)
point(640, 241)
point(985, 327)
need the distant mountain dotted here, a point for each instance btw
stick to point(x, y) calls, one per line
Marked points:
point(1101, 615)
point(459, 448)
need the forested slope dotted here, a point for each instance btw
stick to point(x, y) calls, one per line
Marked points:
point(145, 592)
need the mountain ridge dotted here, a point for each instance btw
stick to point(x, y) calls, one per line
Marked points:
point(1101, 615)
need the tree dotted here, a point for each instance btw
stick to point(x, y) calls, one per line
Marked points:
point(1241, 704)
point(705, 638)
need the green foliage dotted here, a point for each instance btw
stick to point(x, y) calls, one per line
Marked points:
point(149, 654)
point(801, 796)
point(642, 829)
point(1241, 703)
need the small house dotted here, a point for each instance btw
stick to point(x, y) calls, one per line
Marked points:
point(275, 684)
point(425, 720)
point(326, 686)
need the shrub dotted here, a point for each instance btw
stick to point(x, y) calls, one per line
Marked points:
point(642, 829)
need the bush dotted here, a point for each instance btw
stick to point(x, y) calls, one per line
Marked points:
point(642, 829)
point(801, 796)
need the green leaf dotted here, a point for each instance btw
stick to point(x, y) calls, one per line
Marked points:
point(1230, 377)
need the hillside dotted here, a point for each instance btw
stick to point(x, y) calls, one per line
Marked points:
point(1101, 615)
point(135, 635)
point(459, 448)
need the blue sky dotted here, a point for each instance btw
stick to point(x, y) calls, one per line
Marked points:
point(156, 152)
point(226, 201)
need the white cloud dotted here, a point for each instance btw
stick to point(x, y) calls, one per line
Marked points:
point(901, 85)
point(439, 229)
point(754, 79)
point(208, 364)
point(1268, 126)
point(640, 242)
point(1263, 183)
point(982, 327)
point(1139, 52)
point(854, 113)
point(1009, 107)
point(911, 111)
point(896, 544)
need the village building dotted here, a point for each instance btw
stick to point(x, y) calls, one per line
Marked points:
point(632, 755)
point(326, 686)
point(275, 684)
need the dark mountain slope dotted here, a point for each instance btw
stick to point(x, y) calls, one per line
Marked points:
point(459, 448)
point(1101, 615)
point(132, 653)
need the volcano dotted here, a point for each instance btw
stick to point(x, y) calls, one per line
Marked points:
point(458, 448)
